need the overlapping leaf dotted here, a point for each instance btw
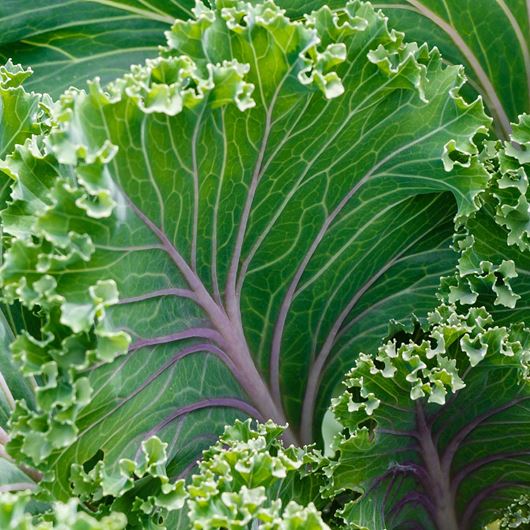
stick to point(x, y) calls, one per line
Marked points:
point(490, 38)
point(21, 115)
point(14, 516)
point(68, 42)
point(494, 266)
point(427, 419)
point(249, 478)
point(476, 36)
point(213, 235)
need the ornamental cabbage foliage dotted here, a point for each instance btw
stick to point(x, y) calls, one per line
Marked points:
point(426, 420)
point(205, 245)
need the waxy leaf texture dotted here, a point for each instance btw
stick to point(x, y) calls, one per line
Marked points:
point(209, 237)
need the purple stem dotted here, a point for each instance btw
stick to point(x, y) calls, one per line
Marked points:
point(474, 504)
point(313, 382)
point(4, 437)
point(193, 281)
point(395, 432)
point(32, 473)
point(256, 176)
point(481, 462)
point(232, 298)
point(4, 388)
point(195, 174)
point(230, 327)
point(226, 402)
point(17, 486)
point(170, 362)
point(203, 333)
point(181, 293)
point(215, 215)
point(444, 513)
point(290, 294)
point(454, 444)
point(407, 469)
point(442, 411)
point(413, 497)
point(316, 369)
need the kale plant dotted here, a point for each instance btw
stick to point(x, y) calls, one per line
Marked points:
point(197, 248)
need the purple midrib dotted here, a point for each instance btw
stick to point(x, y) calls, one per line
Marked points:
point(170, 362)
point(225, 402)
point(203, 333)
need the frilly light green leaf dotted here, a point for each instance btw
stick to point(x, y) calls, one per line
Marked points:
point(494, 246)
point(425, 424)
point(63, 516)
point(249, 478)
point(176, 230)
point(517, 515)
point(147, 504)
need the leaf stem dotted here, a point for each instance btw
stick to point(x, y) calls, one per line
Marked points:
point(454, 444)
point(472, 507)
point(443, 501)
point(17, 486)
point(7, 393)
point(4, 437)
point(229, 327)
point(32, 473)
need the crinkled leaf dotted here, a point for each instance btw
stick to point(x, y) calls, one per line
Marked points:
point(258, 201)
point(426, 422)
point(14, 516)
point(494, 263)
point(13, 386)
point(141, 489)
point(248, 478)
point(517, 515)
point(21, 115)
point(17, 108)
point(490, 38)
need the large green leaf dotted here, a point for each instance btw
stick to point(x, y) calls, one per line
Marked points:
point(425, 441)
point(490, 37)
point(68, 42)
point(245, 218)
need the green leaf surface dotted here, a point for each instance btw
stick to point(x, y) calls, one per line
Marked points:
point(67, 42)
point(12, 478)
point(211, 236)
point(13, 386)
point(491, 38)
point(426, 421)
